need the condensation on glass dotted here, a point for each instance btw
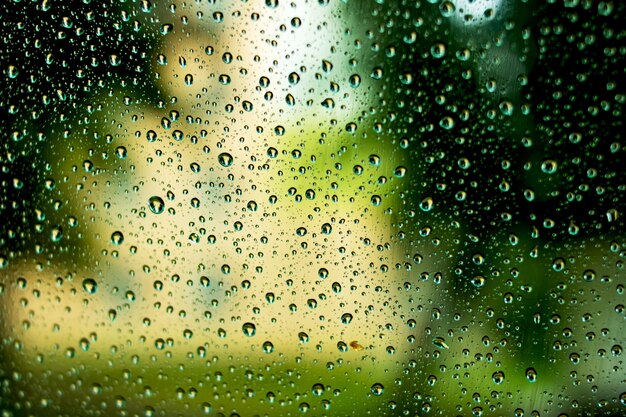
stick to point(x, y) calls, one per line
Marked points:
point(340, 208)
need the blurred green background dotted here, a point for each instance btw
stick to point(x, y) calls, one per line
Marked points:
point(341, 208)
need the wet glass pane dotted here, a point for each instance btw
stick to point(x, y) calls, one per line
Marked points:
point(325, 208)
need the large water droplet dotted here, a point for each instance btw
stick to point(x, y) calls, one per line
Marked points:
point(156, 204)
point(225, 159)
point(90, 285)
point(249, 329)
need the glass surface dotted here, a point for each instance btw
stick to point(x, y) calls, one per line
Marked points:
point(326, 208)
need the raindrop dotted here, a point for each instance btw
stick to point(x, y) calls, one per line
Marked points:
point(225, 159)
point(90, 285)
point(377, 389)
point(440, 343)
point(438, 50)
point(549, 166)
point(156, 204)
point(117, 238)
point(354, 80)
point(249, 329)
point(318, 389)
point(268, 347)
point(498, 377)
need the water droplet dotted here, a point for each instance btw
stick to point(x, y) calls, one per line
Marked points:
point(146, 6)
point(498, 377)
point(303, 337)
point(249, 329)
point(377, 73)
point(178, 135)
point(377, 389)
point(612, 215)
point(272, 152)
point(447, 123)
point(268, 347)
point(56, 234)
point(151, 135)
point(90, 285)
point(323, 273)
point(166, 28)
point(427, 204)
point(12, 71)
point(478, 281)
point(121, 152)
point(447, 8)
point(159, 344)
point(549, 166)
point(294, 78)
point(399, 172)
point(156, 204)
point(117, 238)
point(318, 389)
point(438, 50)
point(506, 107)
point(354, 80)
point(440, 343)
point(225, 159)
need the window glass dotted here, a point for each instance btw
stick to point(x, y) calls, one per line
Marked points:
point(327, 208)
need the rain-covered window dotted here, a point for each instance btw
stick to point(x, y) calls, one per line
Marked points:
point(312, 208)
